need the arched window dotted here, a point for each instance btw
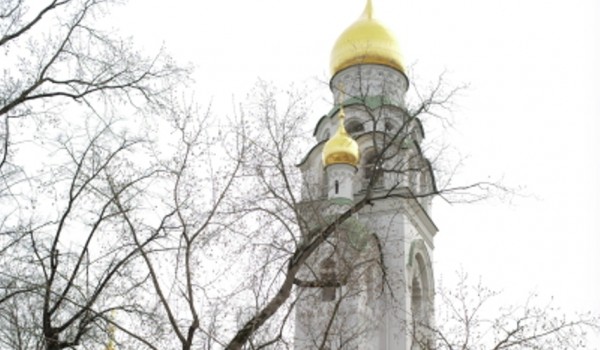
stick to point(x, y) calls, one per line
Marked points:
point(420, 290)
point(420, 298)
point(354, 126)
point(416, 310)
point(416, 300)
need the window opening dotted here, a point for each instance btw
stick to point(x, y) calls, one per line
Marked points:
point(328, 278)
point(354, 127)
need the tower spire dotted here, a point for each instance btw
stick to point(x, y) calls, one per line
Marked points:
point(368, 12)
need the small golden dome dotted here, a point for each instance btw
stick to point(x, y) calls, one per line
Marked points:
point(341, 148)
point(366, 41)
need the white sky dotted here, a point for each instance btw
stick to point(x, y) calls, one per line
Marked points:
point(530, 115)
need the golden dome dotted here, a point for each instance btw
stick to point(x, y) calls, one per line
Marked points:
point(365, 41)
point(341, 148)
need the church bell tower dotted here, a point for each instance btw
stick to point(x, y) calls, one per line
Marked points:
point(370, 284)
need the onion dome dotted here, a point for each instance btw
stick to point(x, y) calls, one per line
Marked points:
point(366, 41)
point(341, 148)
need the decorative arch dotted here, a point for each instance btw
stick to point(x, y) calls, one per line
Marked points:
point(421, 289)
point(419, 263)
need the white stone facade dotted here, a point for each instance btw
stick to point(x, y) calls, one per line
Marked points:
point(340, 181)
point(373, 277)
point(370, 80)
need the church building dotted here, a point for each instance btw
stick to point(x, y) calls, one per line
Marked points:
point(370, 284)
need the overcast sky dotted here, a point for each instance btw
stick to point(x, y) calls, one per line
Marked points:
point(529, 116)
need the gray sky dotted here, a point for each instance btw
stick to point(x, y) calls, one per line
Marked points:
point(529, 116)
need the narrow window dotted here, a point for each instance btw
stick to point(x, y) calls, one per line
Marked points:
point(337, 187)
point(328, 278)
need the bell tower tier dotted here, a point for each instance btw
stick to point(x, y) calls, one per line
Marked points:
point(372, 81)
point(370, 284)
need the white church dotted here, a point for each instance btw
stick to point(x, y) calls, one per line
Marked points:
point(369, 285)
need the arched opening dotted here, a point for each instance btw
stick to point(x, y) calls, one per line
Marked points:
point(337, 187)
point(354, 126)
point(416, 299)
point(420, 303)
point(419, 292)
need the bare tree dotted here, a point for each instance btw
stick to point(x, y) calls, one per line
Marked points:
point(63, 261)
point(194, 231)
point(232, 234)
point(63, 150)
point(472, 316)
point(195, 210)
point(59, 59)
point(298, 229)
